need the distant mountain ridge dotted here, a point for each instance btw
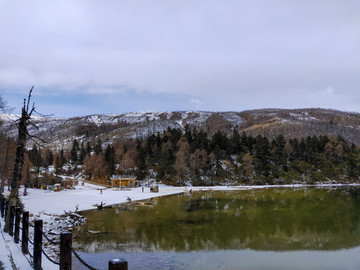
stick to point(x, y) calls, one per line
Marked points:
point(60, 132)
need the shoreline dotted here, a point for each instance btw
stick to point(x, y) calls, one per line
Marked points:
point(40, 202)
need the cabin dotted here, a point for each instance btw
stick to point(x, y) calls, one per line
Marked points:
point(121, 181)
point(69, 183)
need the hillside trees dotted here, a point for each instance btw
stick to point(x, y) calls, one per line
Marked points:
point(245, 159)
point(179, 158)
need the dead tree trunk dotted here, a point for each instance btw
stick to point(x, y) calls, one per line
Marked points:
point(23, 123)
point(5, 167)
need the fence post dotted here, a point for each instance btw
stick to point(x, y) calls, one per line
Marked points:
point(65, 251)
point(11, 223)
point(37, 244)
point(25, 233)
point(17, 224)
point(2, 205)
point(118, 264)
point(6, 209)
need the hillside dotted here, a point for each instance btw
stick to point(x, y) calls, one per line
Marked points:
point(60, 132)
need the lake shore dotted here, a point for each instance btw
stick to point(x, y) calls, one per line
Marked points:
point(85, 196)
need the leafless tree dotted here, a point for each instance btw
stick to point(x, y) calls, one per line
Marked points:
point(22, 124)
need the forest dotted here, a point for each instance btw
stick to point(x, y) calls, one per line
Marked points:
point(178, 157)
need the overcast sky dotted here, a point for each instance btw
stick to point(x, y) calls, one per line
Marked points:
point(119, 56)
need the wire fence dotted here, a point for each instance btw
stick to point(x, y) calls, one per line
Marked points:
point(62, 241)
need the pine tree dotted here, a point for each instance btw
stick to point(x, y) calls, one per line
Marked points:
point(98, 147)
point(235, 143)
point(58, 164)
point(110, 159)
point(141, 165)
point(74, 151)
point(262, 156)
point(82, 153)
point(49, 156)
point(88, 148)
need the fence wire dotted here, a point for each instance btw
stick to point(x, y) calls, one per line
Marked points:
point(48, 257)
point(51, 241)
point(81, 260)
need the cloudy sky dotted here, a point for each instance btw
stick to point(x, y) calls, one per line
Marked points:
point(116, 56)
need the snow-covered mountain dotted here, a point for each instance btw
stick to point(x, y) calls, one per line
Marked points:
point(60, 132)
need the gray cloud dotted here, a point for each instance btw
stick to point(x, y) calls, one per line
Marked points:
point(268, 53)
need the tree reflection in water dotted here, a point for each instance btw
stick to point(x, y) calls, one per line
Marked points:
point(278, 219)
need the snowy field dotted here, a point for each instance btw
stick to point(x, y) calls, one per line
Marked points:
point(48, 205)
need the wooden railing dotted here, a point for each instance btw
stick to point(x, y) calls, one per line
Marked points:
point(65, 243)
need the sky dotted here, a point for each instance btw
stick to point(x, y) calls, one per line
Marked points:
point(116, 56)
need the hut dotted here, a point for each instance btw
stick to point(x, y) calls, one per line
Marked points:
point(121, 181)
point(68, 183)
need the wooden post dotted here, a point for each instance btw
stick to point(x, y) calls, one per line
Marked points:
point(17, 224)
point(118, 264)
point(6, 209)
point(11, 223)
point(2, 205)
point(25, 233)
point(65, 251)
point(37, 244)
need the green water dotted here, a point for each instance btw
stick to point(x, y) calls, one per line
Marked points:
point(308, 228)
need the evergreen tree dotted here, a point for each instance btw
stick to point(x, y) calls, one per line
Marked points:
point(279, 153)
point(58, 164)
point(235, 143)
point(74, 151)
point(141, 168)
point(166, 161)
point(98, 147)
point(35, 158)
point(62, 156)
point(110, 159)
point(82, 154)
point(219, 144)
point(88, 148)
point(50, 158)
point(262, 157)
point(200, 141)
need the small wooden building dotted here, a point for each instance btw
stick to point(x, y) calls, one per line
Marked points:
point(121, 181)
point(68, 183)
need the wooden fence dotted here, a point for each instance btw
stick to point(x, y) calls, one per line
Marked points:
point(17, 223)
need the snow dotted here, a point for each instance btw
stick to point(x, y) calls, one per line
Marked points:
point(12, 257)
point(47, 205)
point(233, 117)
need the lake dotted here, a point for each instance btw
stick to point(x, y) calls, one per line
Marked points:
point(272, 228)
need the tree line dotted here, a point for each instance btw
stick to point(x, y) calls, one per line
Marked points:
point(193, 157)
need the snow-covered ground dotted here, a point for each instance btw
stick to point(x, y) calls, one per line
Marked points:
point(48, 205)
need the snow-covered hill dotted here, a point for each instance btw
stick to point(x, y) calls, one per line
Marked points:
point(60, 132)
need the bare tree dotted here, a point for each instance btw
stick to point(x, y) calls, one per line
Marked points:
point(22, 124)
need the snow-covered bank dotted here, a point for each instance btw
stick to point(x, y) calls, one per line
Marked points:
point(40, 202)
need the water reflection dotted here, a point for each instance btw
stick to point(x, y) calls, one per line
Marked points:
point(267, 219)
